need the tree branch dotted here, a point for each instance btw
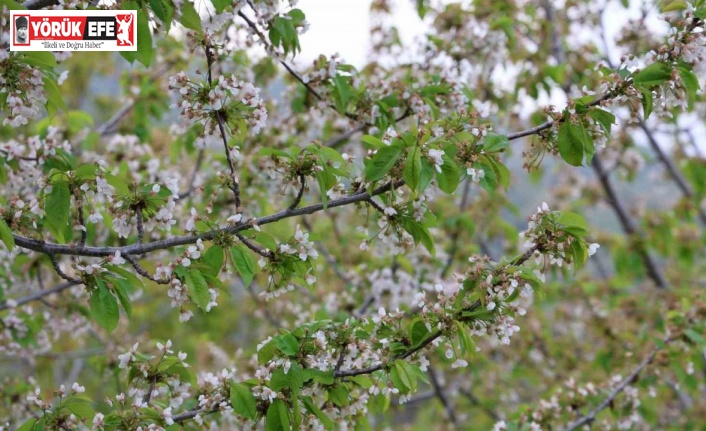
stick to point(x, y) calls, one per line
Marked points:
point(38, 295)
point(298, 198)
point(51, 248)
point(439, 392)
point(591, 416)
point(627, 223)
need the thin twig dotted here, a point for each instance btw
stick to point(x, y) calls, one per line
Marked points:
point(298, 198)
point(140, 227)
point(375, 205)
point(591, 416)
point(235, 187)
point(192, 179)
point(476, 402)
point(38, 295)
point(289, 68)
point(108, 126)
point(81, 221)
point(140, 270)
point(61, 273)
point(254, 247)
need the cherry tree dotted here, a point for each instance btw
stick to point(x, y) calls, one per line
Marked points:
point(499, 226)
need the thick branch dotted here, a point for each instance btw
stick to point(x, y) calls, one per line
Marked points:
point(627, 223)
point(50, 248)
point(673, 171)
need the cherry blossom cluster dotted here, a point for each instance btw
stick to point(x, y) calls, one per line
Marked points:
point(228, 101)
point(545, 235)
point(22, 95)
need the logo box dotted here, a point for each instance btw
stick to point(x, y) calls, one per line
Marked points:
point(73, 30)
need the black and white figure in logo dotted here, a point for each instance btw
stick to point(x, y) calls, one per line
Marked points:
point(124, 30)
point(21, 27)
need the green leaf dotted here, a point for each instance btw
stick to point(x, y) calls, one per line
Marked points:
point(164, 10)
point(420, 233)
point(427, 174)
point(467, 344)
point(647, 100)
point(121, 288)
point(287, 344)
point(43, 59)
point(579, 253)
point(672, 5)
point(220, 5)
point(81, 407)
point(198, 288)
point(342, 93)
point(691, 85)
point(321, 416)
point(573, 223)
point(494, 143)
point(12, 5)
point(373, 141)
point(406, 374)
point(6, 235)
point(135, 282)
point(382, 162)
point(213, 259)
point(27, 426)
point(449, 176)
point(57, 208)
point(413, 169)
point(104, 307)
point(144, 38)
point(339, 395)
point(604, 118)
point(418, 332)
point(695, 337)
point(571, 146)
point(266, 352)
point(652, 75)
point(243, 401)
point(277, 418)
point(323, 377)
point(189, 17)
point(54, 100)
point(244, 263)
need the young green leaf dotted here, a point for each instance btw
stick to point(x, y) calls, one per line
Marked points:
point(277, 418)
point(144, 38)
point(382, 162)
point(571, 146)
point(449, 176)
point(243, 401)
point(413, 169)
point(104, 307)
point(189, 17)
point(57, 208)
point(213, 259)
point(652, 75)
point(244, 263)
point(6, 235)
point(198, 288)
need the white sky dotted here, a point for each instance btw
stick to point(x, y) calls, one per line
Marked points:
point(344, 27)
